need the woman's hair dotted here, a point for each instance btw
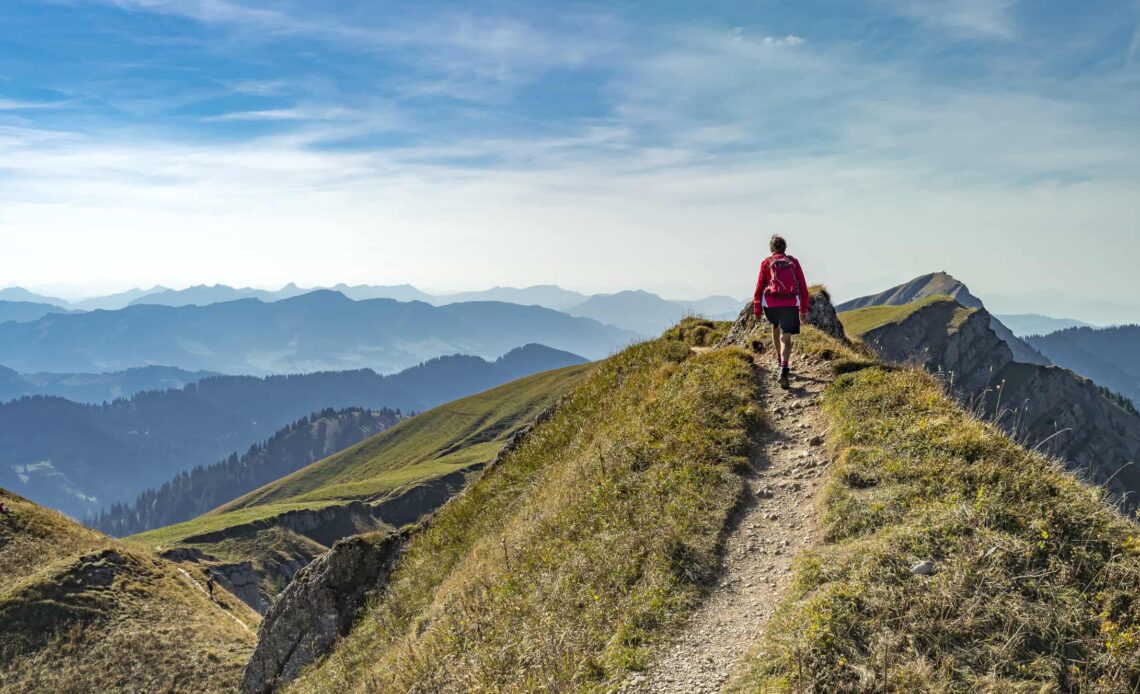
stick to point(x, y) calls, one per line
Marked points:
point(777, 244)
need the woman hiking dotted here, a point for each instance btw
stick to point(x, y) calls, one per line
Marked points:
point(782, 298)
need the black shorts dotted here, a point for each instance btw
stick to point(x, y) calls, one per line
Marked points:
point(787, 317)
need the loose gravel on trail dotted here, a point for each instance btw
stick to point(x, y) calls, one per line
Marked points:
point(777, 519)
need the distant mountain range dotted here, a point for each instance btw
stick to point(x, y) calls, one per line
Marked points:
point(23, 295)
point(639, 311)
point(95, 388)
point(649, 314)
point(24, 311)
point(1109, 356)
point(1025, 324)
point(318, 331)
point(78, 458)
point(943, 284)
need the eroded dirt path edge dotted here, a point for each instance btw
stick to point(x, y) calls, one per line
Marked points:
point(777, 520)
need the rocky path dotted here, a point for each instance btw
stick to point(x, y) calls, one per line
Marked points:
point(190, 579)
point(777, 520)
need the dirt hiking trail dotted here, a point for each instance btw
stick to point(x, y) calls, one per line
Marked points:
point(777, 519)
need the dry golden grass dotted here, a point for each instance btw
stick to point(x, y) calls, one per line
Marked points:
point(1036, 583)
point(558, 567)
point(80, 612)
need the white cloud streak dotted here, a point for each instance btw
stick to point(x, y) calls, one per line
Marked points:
point(974, 19)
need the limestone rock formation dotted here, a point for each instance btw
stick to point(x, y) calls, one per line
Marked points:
point(943, 284)
point(822, 315)
point(239, 578)
point(317, 607)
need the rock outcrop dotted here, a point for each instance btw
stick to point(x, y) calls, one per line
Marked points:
point(821, 315)
point(948, 339)
point(240, 579)
point(325, 525)
point(943, 284)
point(325, 598)
point(319, 606)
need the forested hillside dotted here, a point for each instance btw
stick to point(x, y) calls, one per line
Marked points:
point(1109, 356)
point(81, 458)
point(194, 492)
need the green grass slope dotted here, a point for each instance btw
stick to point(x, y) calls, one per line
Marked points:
point(440, 441)
point(860, 321)
point(556, 569)
point(1036, 586)
point(436, 448)
point(80, 612)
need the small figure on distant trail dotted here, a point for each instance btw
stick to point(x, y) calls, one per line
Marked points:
point(210, 583)
point(4, 510)
point(782, 297)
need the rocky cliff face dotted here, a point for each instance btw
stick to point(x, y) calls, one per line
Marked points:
point(1046, 407)
point(317, 607)
point(239, 578)
point(325, 598)
point(941, 283)
point(947, 339)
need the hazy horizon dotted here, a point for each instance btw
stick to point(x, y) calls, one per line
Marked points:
point(1097, 313)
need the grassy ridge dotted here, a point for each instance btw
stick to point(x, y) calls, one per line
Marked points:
point(429, 445)
point(1037, 581)
point(861, 321)
point(557, 568)
point(80, 612)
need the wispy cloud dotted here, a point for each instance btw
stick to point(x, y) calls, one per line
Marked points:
point(331, 113)
point(789, 40)
point(976, 19)
point(21, 105)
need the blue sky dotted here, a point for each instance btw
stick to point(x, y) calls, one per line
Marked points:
point(597, 145)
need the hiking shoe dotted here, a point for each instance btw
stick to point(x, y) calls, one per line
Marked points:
point(784, 377)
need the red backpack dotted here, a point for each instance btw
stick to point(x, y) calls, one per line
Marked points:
point(783, 282)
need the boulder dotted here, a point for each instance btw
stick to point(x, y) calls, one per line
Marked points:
point(318, 607)
point(821, 316)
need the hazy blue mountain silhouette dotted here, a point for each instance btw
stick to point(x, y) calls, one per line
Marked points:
point(21, 294)
point(1109, 356)
point(1025, 324)
point(77, 457)
point(114, 302)
point(204, 295)
point(96, 387)
point(318, 331)
point(24, 311)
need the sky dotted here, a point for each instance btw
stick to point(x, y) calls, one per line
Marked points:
point(600, 146)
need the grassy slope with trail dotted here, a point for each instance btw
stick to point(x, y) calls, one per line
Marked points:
point(80, 612)
point(560, 566)
point(1036, 579)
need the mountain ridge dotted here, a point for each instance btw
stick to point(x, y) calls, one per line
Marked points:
point(75, 457)
point(1051, 408)
point(943, 284)
point(319, 331)
point(1110, 356)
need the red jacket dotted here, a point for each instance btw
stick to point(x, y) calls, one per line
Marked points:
point(761, 299)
